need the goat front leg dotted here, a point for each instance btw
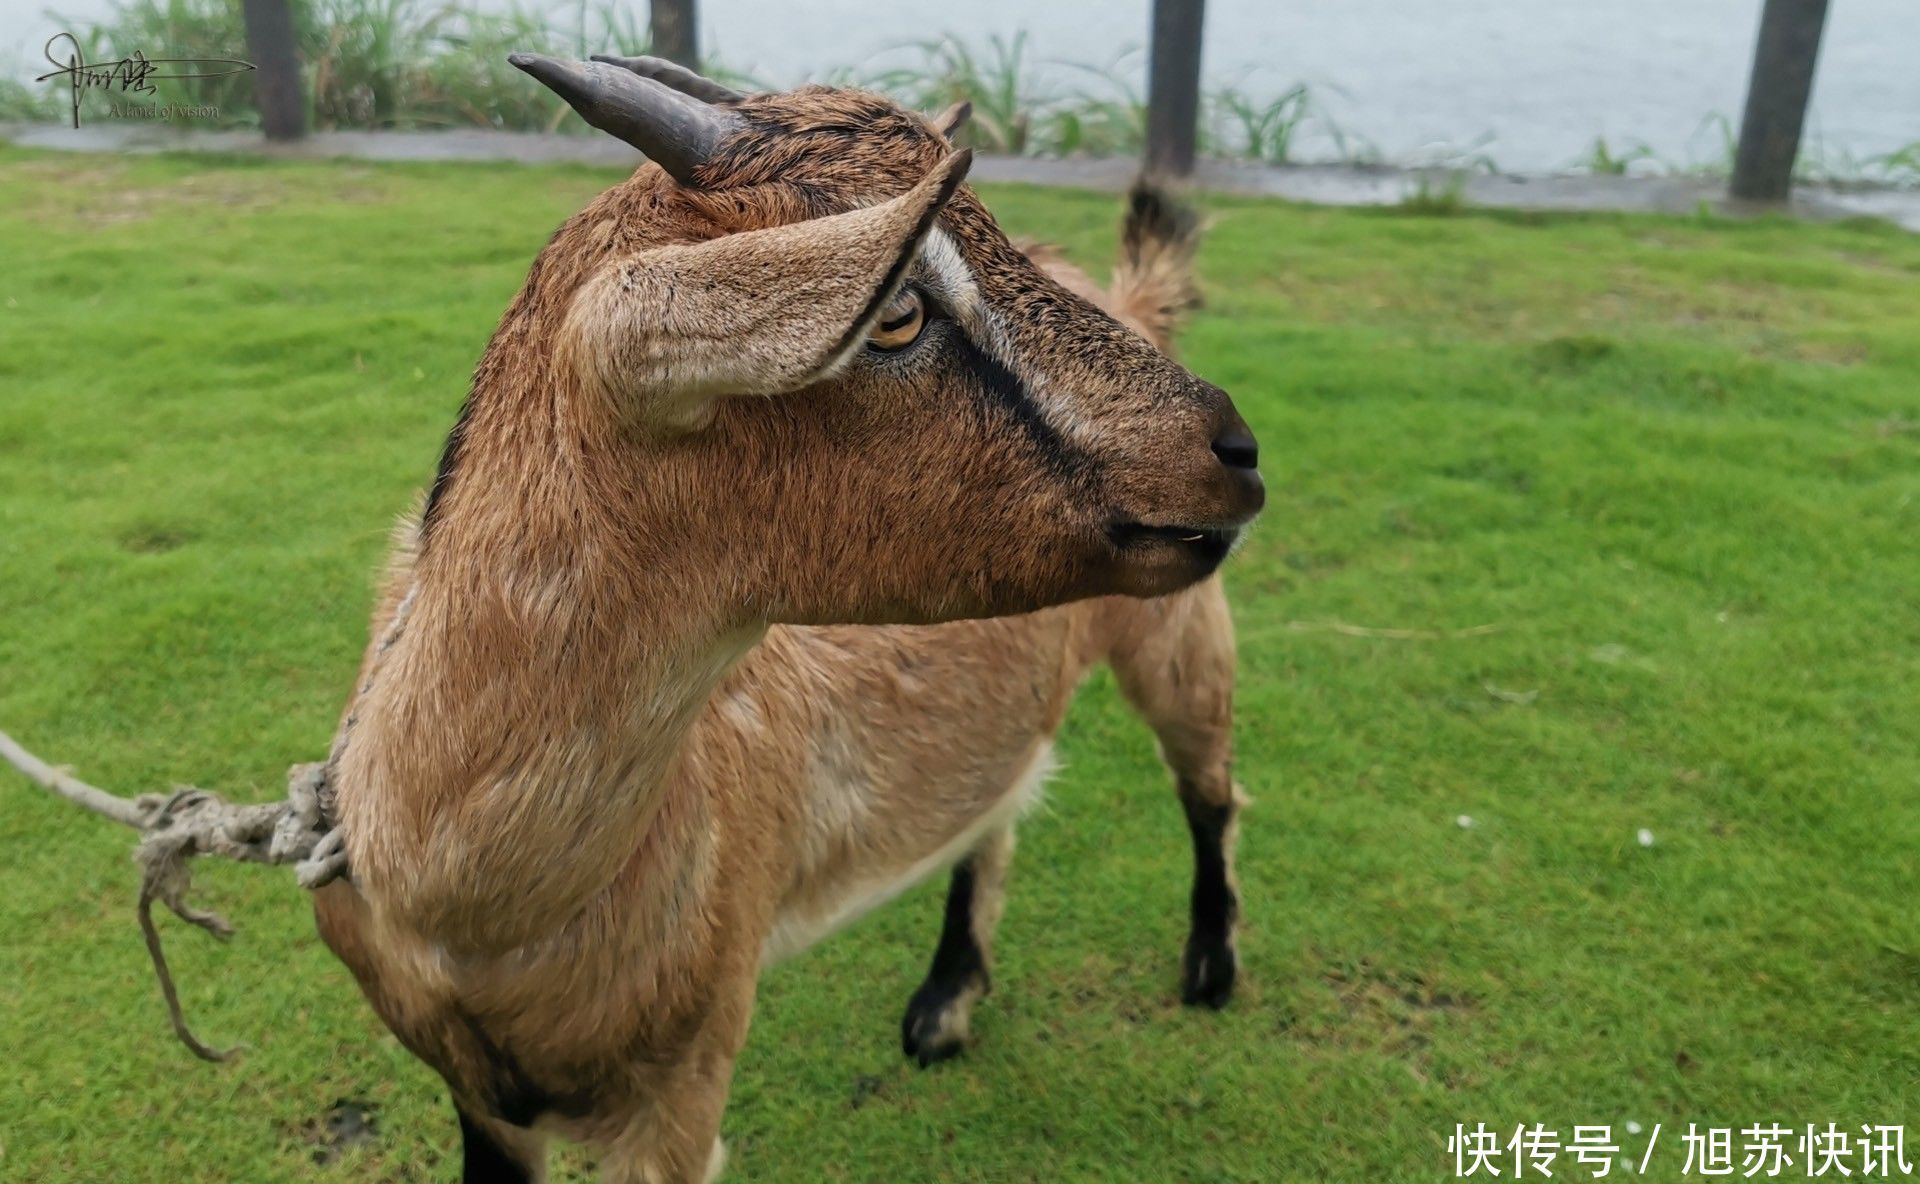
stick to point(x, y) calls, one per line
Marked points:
point(493, 1152)
point(938, 1017)
point(676, 1140)
point(673, 1137)
point(1210, 964)
point(1175, 664)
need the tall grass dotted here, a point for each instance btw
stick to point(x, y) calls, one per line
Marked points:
point(1104, 115)
point(1014, 111)
point(1902, 164)
point(26, 102)
point(1818, 162)
point(1434, 198)
point(998, 80)
point(1265, 131)
point(1100, 112)
point(1602, 160)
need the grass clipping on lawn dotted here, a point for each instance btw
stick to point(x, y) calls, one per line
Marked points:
point(175, 827)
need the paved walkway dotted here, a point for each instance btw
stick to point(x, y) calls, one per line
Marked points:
point(1339, 185)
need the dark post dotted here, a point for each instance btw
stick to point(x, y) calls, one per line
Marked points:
point(1783, 60)
point(276, 75)
point(676, 32)
point(1173, 86)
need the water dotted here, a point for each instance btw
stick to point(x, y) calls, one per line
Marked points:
point(1528, 84)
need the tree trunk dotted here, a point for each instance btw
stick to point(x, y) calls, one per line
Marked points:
point(1173, 86)
point(1783, 61)
point(676, 32)
point(276, 77)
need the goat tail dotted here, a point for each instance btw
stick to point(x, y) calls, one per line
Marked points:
point(1153, 284)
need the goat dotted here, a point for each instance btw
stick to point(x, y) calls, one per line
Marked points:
point(699, 646)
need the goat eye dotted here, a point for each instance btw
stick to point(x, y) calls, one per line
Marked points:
point(900, 322)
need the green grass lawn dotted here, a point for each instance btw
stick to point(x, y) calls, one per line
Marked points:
point(1646, 490)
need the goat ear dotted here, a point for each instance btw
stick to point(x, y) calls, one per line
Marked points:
point(761, 312)
point(949, 122)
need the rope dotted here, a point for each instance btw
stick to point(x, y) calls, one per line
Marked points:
point(176, 827)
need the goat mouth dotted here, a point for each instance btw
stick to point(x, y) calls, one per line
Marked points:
point(1209, 542)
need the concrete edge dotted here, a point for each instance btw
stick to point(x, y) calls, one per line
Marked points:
point(1332, 185)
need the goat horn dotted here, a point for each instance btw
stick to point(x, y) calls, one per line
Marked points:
point(676, 76)
point(676, 132)
point(949, 122)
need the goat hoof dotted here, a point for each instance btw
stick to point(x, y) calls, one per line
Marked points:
point(934, 1028)
point(1207, 973)
point(930, 1054)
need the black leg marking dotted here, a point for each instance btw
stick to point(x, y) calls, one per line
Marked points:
point(1207, 971)
point(484, 1161)
point(927, 1032)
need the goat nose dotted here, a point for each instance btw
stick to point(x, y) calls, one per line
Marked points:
point(1237, 448)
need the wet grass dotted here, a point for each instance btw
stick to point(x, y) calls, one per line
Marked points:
point(1639, 494)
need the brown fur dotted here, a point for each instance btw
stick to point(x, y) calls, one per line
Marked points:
point(627, 724)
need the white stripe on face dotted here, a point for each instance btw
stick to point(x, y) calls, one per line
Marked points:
point(947, 277)
point(941, 269)
point(945, 272)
